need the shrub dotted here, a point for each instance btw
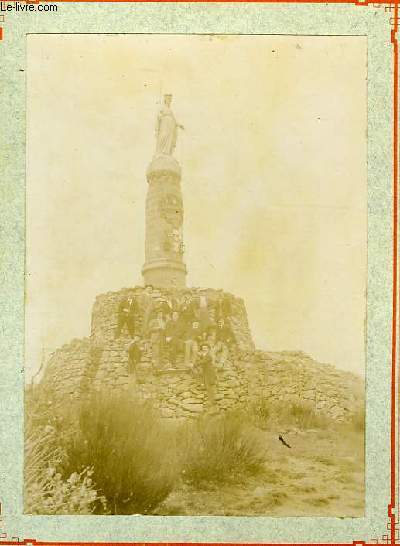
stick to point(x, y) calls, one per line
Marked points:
point(45, 491)
point(266, 414)
point(133, 455)
point(261, 412)
point(220, 449)
point(304, 416)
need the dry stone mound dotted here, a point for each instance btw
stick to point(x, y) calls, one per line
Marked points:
point(101, 361)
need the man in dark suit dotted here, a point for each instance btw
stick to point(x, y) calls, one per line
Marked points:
point(224, 338)
point(187, 311)
point(205, 363)
point(193, 336)
point(148, 305)
point(127, 312)
point(135, 351)
point(223, 307)
point(174, 336)
point(157, 338)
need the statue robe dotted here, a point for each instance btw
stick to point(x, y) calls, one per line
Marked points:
point(167, 129)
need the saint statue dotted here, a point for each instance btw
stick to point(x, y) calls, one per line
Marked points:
point(166, 128)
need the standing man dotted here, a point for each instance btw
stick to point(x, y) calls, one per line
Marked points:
point(127, 312)
point(192, 340)
point(223, 307)
point(148, 306)
point(187, 311)
point(164, 306)
point(224, 338)
point(135, 352)
point(206, 365)
point(174, 334)
point(157, 338)
point(204, 316)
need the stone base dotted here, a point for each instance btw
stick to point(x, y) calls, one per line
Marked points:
point(101, 362)
point(165, 274)
point(163, 163)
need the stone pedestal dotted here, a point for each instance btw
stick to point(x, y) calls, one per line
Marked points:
point(164, 266)
point(101, 363)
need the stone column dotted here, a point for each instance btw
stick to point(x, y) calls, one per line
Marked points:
point(164, 266)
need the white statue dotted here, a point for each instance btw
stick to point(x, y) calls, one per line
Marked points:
point(166, 128)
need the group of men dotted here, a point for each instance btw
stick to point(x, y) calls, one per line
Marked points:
point(194, 329)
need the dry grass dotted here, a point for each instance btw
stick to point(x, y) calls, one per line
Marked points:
point(321, 474)
point(46, 491)
point(221, 449)
point(268, 415)
point(134, 458)
point(120, 458)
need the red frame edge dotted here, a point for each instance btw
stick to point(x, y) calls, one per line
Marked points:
point(392, 526)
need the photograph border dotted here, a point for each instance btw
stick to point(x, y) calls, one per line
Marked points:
point(392, 536)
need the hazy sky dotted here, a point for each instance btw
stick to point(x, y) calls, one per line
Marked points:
point(274, 179)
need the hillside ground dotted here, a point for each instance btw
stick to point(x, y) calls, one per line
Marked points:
point(113, 455)
point(321, 474)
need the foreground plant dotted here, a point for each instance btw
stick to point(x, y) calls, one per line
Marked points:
point(222, 448)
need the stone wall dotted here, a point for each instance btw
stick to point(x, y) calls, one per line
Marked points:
point(175, 392)
point(174, 389)
point(105, 314)
point(68, 367)
point(101, 362)
point(294, 377)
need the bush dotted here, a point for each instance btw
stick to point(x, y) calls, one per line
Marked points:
point(134, 457)
point(303, 415)
point(261, 412)
point(45, 490)
point(220, 449)
point(105, 455)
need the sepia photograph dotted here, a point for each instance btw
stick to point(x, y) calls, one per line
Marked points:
point(196, 275)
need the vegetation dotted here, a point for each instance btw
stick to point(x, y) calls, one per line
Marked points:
point(113, 455)
point(303, 415)
point(46, 491)
point(222, 449)
point(134, 459)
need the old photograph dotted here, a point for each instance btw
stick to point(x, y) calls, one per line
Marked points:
point(196, 264)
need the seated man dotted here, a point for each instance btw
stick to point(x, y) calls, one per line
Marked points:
point(224, 338)
point(192, 339)
point(174, 336)
point(157, 337)
point(127, 312)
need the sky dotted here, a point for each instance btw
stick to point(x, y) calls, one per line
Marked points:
point(274, 179)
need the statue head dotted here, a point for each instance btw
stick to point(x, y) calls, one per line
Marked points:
point(167, 99)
